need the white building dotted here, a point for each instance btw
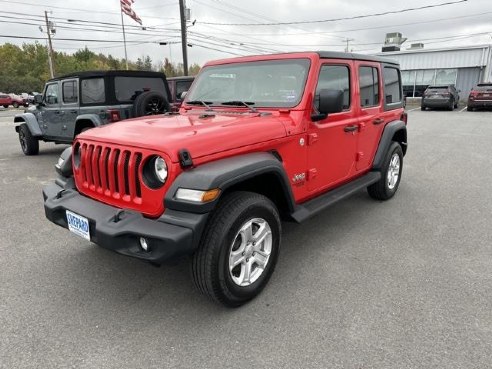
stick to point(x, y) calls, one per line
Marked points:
point(462, 66)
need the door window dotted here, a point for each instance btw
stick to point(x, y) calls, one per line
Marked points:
point(369, 86)
point(334, 77)
point(93, 91)
point(128, 88)
point(51, 95)
point(392, 85)
point(182, 86)
point(70, 92)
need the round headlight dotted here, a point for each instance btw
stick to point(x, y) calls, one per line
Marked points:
point(155, 172)
point(160, 168)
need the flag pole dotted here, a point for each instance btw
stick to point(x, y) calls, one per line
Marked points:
point(124, 37)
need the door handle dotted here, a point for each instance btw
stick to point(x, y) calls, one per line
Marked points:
point(378, 121)
point(73, 111)
point(351, 128)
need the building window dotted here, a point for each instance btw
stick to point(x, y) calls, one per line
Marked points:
point(446, 76)
point(416, 81)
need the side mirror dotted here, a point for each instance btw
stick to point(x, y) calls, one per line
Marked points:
point(183, 95)
point(327, 102)
point(38, 99)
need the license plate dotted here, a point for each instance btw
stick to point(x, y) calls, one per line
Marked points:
point(486, 95)
point(78, 225)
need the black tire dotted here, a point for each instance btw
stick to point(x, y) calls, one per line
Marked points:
point(469, 108)
point(6, 106)
point(382, 190)
point(451, 105)
point(150, 103)
point(210, 265)
point(423, 108)
point(456, 105)
point(29, 144)
point(15, 105)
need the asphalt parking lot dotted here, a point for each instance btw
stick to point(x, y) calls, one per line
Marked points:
point(401, 284)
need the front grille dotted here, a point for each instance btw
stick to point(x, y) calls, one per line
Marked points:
point(111, 172)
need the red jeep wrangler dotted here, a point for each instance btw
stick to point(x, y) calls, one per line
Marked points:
point(258, 139)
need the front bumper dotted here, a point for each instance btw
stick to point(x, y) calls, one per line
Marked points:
point(173, 234)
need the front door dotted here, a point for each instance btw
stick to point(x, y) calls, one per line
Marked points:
point(332, 141)
point(51, 110)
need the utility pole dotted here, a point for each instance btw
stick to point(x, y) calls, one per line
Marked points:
point(184, 43)
point(124, 38)
point(348, 40)
point(50, 45)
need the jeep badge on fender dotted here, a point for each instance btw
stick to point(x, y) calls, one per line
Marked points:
point(257, 139)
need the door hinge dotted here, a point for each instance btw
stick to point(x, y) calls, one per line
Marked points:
point(312, 138)
point(359, 156)
point(312, 174)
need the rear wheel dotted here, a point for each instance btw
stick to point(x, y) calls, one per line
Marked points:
point(239, 249)
point(469, 108)
point(387, 186)
point(5, 106)
point(423, 108)
point(451, 105)
point(29, 144)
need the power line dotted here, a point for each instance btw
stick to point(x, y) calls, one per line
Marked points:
point(342, 18)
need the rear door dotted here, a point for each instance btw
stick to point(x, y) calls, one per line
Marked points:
point(69, 106)
point(371, 121)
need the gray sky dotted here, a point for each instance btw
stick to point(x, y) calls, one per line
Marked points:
point(444, 26)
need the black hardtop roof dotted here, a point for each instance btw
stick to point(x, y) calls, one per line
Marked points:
point(103, 73)
point(353, 56)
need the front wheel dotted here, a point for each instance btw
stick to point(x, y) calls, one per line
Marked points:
point(29, 144)
point(239, 249)
point(15, 105)
point(387, 186)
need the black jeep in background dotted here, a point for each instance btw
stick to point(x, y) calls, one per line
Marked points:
point(80, 101)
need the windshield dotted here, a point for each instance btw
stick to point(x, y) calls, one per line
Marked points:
point(274, 83)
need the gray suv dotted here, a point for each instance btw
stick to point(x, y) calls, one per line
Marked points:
point(76, 102)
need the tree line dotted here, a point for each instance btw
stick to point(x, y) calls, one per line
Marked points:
point(25, 68)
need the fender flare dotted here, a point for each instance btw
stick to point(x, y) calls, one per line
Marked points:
point(93, 118)
point(32, 123)
point(223, 174)
point(389, 132)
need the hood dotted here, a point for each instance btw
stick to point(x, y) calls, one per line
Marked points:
point(200, 135)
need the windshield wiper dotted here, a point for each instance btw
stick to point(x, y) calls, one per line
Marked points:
point(201, 102)
point(241, 103)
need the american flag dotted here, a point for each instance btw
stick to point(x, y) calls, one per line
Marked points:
point(126, 7)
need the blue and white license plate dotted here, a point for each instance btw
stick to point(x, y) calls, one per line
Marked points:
point(78, 225)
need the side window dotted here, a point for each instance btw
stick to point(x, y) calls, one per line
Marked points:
point(92, 91)
point(51, 94)
point(369, 86)
point(392, 85)
point(70, 92)
point(182, 86)
point(334, 77)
